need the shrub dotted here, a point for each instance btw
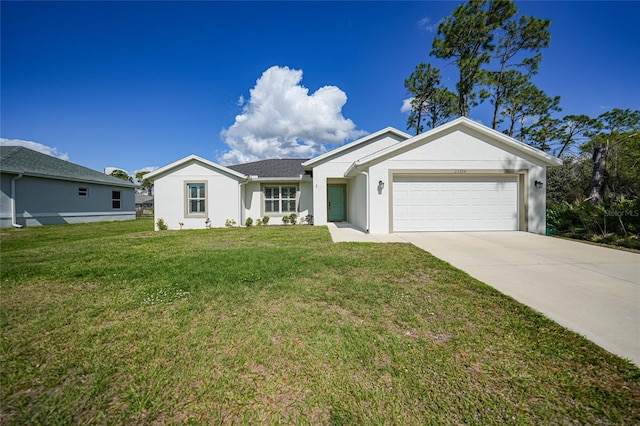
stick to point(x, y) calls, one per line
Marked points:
point(293, 218)
point(265, 220)
point(258, 222)
point(229, 223)
point(610, 222)
point(248, 222)
point(162, 226)
point(308, 219)
point(285, 220)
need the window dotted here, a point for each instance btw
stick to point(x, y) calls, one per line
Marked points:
point(280, 199)
point(196, 199)
point(115, 199)
point(83, 192)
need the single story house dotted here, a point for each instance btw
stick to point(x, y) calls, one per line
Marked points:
point(144, 204)
point(461, 176)
point(37, 189)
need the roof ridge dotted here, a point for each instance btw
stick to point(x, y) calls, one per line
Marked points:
point(270, 159)
point(36, 163)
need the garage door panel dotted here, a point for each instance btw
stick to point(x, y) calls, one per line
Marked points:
point(423, 203)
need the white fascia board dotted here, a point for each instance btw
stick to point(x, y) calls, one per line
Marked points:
point(190, 158)
point(351, 171)
point(334, 152)
point(462, 121)
point(277, 179)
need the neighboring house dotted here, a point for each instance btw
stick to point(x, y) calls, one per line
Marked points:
point(37, 189)
point(461, 176)
point(144, 204)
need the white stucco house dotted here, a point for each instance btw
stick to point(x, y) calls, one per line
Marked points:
point(461, 176)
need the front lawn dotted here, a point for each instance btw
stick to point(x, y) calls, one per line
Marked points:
point(114, 324)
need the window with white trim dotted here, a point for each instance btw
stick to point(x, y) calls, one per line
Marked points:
point(280, 199)
point(196, 199)
point(116, 198)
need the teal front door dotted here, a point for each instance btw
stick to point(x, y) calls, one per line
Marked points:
point(336, 203)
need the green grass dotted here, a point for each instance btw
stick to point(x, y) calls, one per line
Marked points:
point(112, 323)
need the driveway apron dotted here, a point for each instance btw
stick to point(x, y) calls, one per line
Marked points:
point(592, 290)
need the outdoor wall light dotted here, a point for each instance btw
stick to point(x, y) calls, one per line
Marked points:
point(380, 186)
point(538, 184)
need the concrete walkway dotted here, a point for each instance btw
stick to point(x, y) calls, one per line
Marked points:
point(342, 232)
point(592, 290)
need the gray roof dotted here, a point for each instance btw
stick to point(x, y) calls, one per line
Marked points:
point(21, 160)
point(281, 167)
point(144, 199)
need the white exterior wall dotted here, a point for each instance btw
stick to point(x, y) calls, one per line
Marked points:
point(335, 169)
point(357, 202)
point(537, 200)
point(322, 173)
point(305, 205)
point(254, 201)
point(222, 197)
point(457, 153)
point(253, 204)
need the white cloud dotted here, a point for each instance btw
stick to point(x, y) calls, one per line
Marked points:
point(36, 147)
point(282, 120)
point(425, 25)
point(406, 105)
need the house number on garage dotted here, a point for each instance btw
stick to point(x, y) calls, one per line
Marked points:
point(459, 171)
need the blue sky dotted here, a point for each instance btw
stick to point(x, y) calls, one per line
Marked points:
point(137, 85)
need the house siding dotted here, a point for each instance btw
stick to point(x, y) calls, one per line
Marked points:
point(5, 200)
point(356, 194)
point(335, 168)
point(455, 153)
point(459, 148)
point(254, 201)
point(46, 201)
point(223, 197)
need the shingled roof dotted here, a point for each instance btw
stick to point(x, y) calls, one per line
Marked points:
point(21, 160)
point(281, 167)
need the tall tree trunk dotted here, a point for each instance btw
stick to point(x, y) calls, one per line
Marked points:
point(462, 102)
point(512, 127)
point(598, 178)
point(498, 102)
point(496, 109)
point(463, 96)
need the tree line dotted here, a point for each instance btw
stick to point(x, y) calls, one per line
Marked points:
point(497, 52)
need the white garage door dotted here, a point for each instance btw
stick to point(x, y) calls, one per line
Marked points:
point(460, 203)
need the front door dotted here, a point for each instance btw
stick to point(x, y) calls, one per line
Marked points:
point(336, 203)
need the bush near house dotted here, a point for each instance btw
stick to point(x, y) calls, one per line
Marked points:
point(615, 222)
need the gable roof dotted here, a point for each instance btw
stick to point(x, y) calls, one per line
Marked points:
point(280, 167)
point(460, 122)
point(21, 160)
point(194, 159)
point(334, 152)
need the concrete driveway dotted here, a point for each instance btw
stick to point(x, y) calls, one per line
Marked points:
point(592, 290)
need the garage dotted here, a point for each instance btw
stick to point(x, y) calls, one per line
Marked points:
point(455, 203)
